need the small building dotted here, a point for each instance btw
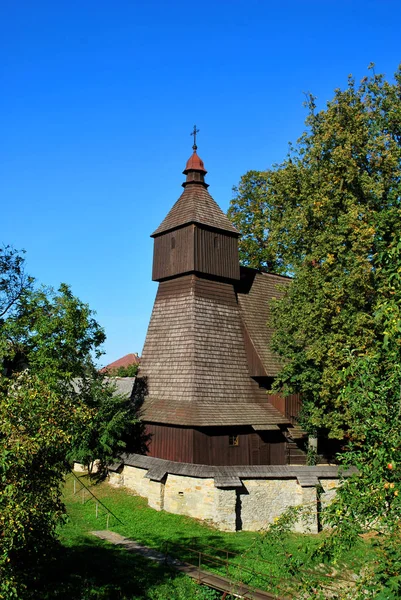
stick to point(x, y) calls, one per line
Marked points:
point(128, 360)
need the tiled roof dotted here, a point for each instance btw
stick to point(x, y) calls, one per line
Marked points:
point(123, 385)
point(255, 290)
point(125, 361)
point(195, 205)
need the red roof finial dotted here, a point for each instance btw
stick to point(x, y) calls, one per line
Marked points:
point(194, 163)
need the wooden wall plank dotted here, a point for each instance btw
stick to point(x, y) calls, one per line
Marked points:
point(216, 254)
point(173, 253)
point(210, 446)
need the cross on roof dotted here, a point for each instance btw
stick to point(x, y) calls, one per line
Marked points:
point(194, 132)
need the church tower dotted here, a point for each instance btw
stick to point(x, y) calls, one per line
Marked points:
point(202, 404)
point(196, 236)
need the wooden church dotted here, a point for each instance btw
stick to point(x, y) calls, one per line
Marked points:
point(206, 362)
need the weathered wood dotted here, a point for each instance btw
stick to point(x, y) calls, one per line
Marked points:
point(289, 406)
point(207, 357)
point(240, 471)
point(171, 443)
point(195, 205)
point(210, 446)
point(255, 291)
point(173, 253)
point(216, 253)
point(194, 359)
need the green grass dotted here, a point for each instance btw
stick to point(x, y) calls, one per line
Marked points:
point(284, 561)
point(86, 568)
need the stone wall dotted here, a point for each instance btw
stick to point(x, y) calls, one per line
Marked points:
point(264, 500)
point(252, 507)
point(328, 492)
point(134, 479)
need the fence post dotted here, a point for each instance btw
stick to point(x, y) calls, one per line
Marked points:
point(75, 486)
point(199, 566)
point(107, 521)
point(97, 507)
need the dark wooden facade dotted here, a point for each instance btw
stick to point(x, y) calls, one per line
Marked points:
point(255, 364)
point(211, 445)
point(194, 249)
point(289, 406)
point(173, 253)
point(216, 253)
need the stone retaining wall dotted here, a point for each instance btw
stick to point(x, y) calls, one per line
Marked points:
point(251, 507)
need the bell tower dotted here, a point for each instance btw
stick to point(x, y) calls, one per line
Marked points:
point(200, 393)
point(196, 236)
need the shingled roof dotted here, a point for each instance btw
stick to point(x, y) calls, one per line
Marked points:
point(255, 291)
point(195, 362)
point(158, 468)
point(203, 329)
point(195, 205)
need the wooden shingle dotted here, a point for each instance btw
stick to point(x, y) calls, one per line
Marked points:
point(206, 354)
point(195, 205)
point(307, 476)
point(255, 292)
point(195, 362)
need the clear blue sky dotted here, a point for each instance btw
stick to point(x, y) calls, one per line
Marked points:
point(97, 101)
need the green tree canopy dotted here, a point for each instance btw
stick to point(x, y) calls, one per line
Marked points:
point(37, 429)
point(53, 334)
point(55, 407)
point(333, 215)
point(326, 215)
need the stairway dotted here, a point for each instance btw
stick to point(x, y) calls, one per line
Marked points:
point(295, 454)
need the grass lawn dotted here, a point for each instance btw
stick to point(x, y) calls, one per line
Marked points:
point(90, 568)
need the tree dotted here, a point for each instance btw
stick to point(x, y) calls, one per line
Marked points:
point(253, 212)
point(113, 428)
point(333, 206)
point(54, 334)
point(335, 224)
point(372, 391)
point(37, 429)
point(54, 407)
point(14, 282)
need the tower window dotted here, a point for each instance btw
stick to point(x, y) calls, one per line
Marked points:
point(172, 243)
point(233, 440)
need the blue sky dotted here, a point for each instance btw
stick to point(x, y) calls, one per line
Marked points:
point(97, 103)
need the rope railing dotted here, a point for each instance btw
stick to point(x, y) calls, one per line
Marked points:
point(281, 583)
point(204, 559)
point(84, 489)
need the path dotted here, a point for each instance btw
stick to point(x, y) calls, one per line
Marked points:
point(215, 581)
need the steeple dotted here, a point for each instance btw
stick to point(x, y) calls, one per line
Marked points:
point(199, 387)
point(195, 205)
point(195, 169)
point(195, 236)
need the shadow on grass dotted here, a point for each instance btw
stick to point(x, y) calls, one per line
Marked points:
point(96, 570)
